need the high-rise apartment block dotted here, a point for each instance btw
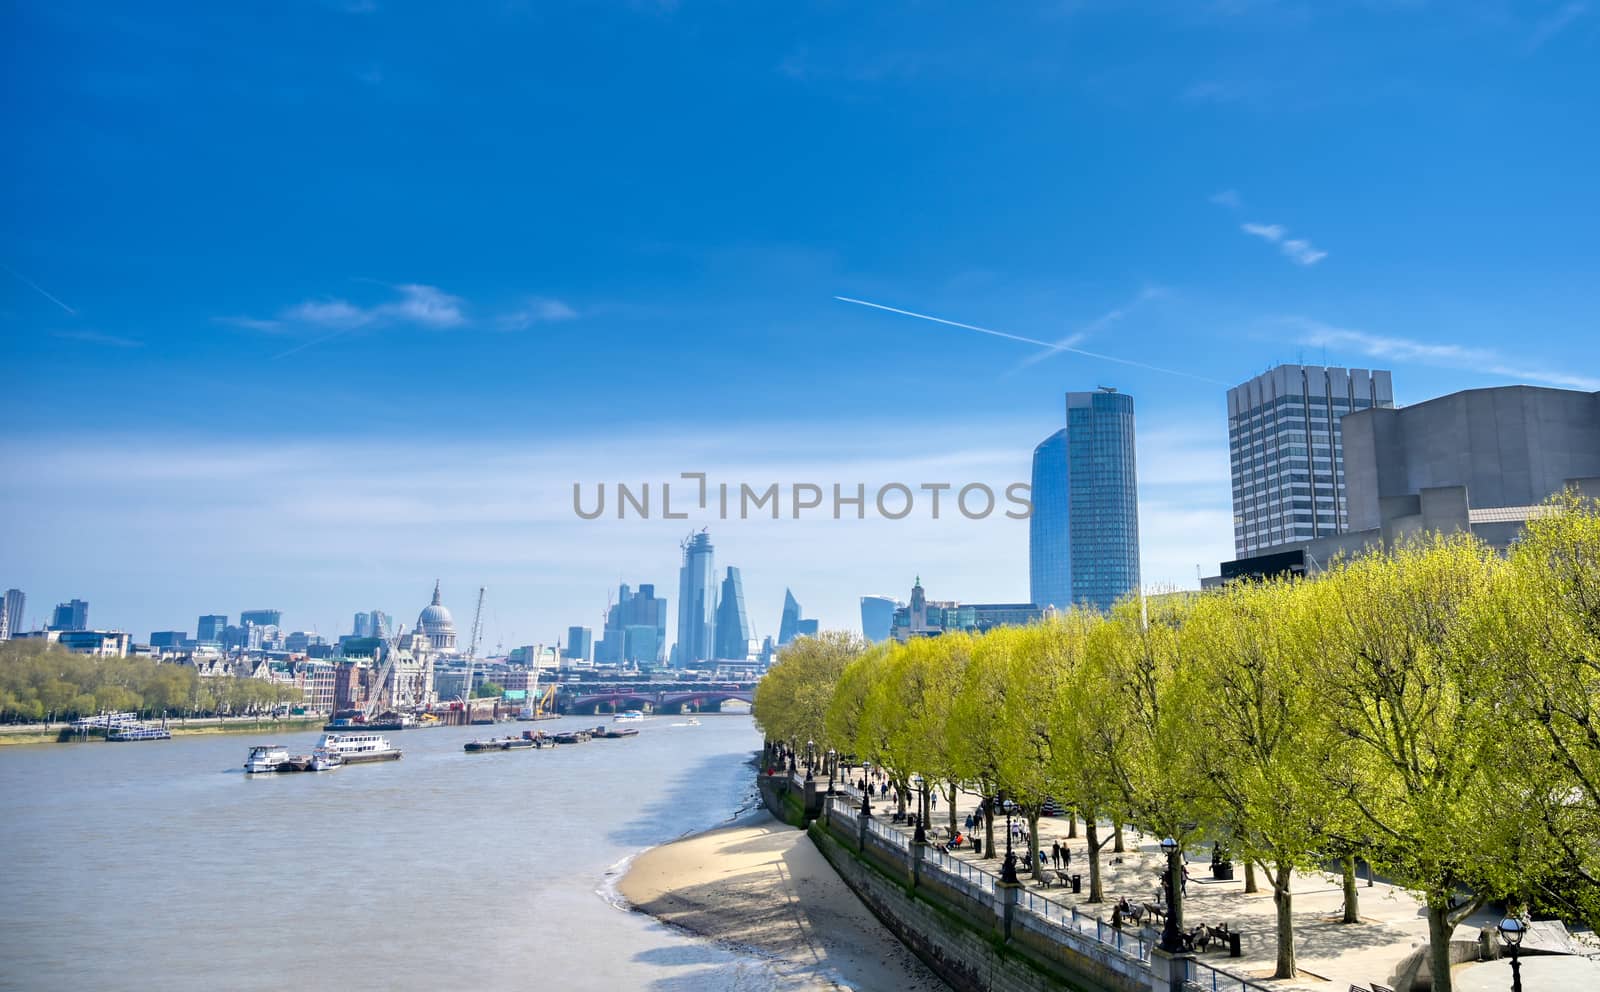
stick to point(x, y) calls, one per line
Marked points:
point(1286, 451)
point(1083, 538)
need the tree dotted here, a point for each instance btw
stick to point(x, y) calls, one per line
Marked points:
point(791, 701)
point(975, 725)
point(489, 690)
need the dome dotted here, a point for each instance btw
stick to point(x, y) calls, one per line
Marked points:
point(435, 619)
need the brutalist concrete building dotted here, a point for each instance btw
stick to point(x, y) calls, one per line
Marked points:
point(1481, 460)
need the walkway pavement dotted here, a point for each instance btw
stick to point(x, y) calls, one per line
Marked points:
point(1331, 955)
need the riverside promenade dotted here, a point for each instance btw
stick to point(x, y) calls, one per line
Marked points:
point(1385, 947)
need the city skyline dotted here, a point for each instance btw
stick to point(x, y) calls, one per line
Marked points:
point(273, 375)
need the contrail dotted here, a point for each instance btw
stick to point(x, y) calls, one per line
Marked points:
point(37, 288)
point(1032, 341)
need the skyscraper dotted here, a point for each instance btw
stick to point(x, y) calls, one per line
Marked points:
point(623, 638)
point(697, 602)
point(789, 624)
point(733, 625)
point(579, 644)
point(11, 614)
point(211, 628)
point(1083, 538)
point(362, 627)
point(261, 618)
point(1286, 451)
point(877, 618)
point(72, 615)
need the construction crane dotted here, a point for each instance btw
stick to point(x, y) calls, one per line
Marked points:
point(472, 644)
point(391, 649)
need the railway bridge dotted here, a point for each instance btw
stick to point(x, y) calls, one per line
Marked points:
point(651, 697)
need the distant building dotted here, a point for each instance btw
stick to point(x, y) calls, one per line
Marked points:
point(1481, 460)
point(362, 625)
point(73, 615)
point(733, 625)
point(100, 643)
point(697, 602)
point(1083, 536)
point(375, 623)
point(877, 618)
point(789, 622)
point(261, 618)
point(580, 645)
point(316, 680)
point(168, 640)
point(211, 629)
point(11, 613)
point(1286, 451)
point(437, 625)
point(922, 617)
point(620, 641)
point(301, 641)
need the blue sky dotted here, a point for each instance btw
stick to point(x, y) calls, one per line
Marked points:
point(306, 304)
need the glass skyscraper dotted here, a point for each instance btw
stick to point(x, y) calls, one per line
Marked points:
point(697, 602)
point(1286, 451)
point(877, 618)
point(789, 622)
point(733, 626)
point(1083, 537)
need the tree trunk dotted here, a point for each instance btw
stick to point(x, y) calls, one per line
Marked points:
point(1250, 876)
point(951, 795)
point(1439, 943)
point(1116, 845)
point(1281, 896)
point(1351, 907)
point(1072, 824)
point(1091, 832)
point(988, 828)
point(1033, 843)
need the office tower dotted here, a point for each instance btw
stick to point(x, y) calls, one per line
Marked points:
point(579, 644)
point(382, 625)
point(168, 640)
point(11, 614)
point(72, 615)
point(697, 602)
point(261, 618)
point(789, 623)
point(362, 626)
point(733, 625)
point(1286, 451)
point(1083, 538)
point(622, 640)
point(877, 618)
point(211, 628)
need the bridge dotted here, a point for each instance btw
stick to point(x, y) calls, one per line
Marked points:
point(652, 697)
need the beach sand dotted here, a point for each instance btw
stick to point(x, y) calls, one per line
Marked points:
point(762, 886)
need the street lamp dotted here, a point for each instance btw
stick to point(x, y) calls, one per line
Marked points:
point(811, 758)
point(1008, 867)
point(833, 757)
point(1172, 932)
point(920, 835)
point(1512, 930)
point(866, 794)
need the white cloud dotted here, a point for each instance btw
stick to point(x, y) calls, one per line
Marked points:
point(418, 305)
point(425, 305)
point(327, 313)
point(1297, 250)
point(1227, 198)
point(1447, 356)
point(539, 310)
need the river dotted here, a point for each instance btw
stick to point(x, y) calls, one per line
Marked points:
point(161, 864)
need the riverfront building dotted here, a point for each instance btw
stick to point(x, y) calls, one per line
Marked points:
point(1083, 537)
point(1286, 451)
point(697, 603)
point(1481, 460)
point(922, 617)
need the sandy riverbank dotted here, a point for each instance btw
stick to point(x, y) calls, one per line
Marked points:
point(763, 886)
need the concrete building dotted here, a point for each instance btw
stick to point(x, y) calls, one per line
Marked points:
point(100, 643)
point(73, 615)
point(1286, 453)
point(1481, 460)
point(261, 618)
point(922, 617)
point(316, 681)
point(11, 613)
point(437, 625)
point(877, 618)
point(1083, 536)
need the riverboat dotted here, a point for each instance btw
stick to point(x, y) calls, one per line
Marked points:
point(629, 716)
point(138, 732)
point(694, 721)
point(612, 733)
point(265, 758)
point(572, 737)
point(359, 748)
point(500, 744)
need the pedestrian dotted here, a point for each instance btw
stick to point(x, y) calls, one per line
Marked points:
point(1066, 856)
point(1055, 853)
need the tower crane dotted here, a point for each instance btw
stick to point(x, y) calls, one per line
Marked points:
point(472, 644)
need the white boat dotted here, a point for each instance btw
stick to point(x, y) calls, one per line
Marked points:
point(139, 732)
point(323, 759)
point(266, 758)
point(694, 721)
point(354, 748)
point(629, 716)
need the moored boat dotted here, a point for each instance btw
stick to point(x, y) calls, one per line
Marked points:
point(500, 744)
point(629, 716)
point(140, 732)
point(266, 758)
point(612, 733)
point(572, 737)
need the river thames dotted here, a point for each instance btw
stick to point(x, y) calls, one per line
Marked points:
point(161, 864)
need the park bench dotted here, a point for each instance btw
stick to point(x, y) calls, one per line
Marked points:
point(1155, 912)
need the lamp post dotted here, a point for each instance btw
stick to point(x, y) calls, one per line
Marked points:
point(1512, 930)
point(920, 835)
point(866, 794)
point(1008, 867)
point(1172, 932)
point(833, 759)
